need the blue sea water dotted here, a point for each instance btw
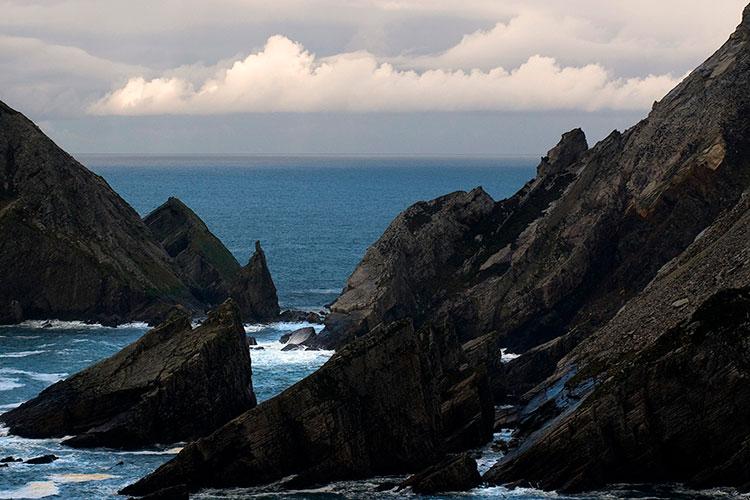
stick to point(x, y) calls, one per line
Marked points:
point(315, 218)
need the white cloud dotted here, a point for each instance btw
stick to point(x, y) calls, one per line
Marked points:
point(284, 77)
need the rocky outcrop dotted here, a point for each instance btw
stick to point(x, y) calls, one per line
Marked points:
point(455, 473)
point(175, 383)
point(677, 411)
point(656, 393)
point(384, 404)
point(204, 262)
point(209, 269)
point(78, 251)
point(435, 251)
point(254, 291)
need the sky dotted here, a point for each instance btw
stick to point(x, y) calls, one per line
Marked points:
point(405, 77)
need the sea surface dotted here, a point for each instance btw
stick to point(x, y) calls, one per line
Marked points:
point(315, 218)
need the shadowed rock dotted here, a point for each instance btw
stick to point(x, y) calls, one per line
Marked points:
point(204, 262)
point(175, 383)
point(384, 404)
point(456, 473)
point(77, 251)
point(254, 291)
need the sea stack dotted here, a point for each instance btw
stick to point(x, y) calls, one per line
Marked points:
point(175, 383)
point(254, 291)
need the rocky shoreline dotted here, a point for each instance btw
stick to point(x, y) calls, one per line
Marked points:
point(619, 278)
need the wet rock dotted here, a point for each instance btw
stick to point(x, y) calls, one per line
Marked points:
point(9, 460)
point(179, 492)
point(44, 459)
point(457, 473)
point(175, 383)
point(78, 250)
point(251, 341)
point(293, 347)
point(203, 261)
point(303, 336)
point(372, 409)
point(254, 290)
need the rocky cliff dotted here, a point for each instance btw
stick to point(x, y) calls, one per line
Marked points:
point(619, 274)
point(73, 249)
point(392, 401)
point(175, 383)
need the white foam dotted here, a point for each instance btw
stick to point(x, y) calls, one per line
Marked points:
point(56, 324)
point(282, 326)
point(8, 384)
point(507, 357)
point(10, 406)
point(20, 354)
point(170, 451)
point(34, 489)
point(41, 377)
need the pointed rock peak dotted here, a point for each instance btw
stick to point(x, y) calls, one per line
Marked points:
point(258, 251)
point(254, 290)
point(226, 313)
point(571, 147)
point(176, 208)
point(746, 17)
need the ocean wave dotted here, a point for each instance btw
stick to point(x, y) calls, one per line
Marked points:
point(20, 354)
point(8, 384)
point(41, 377)
point(9, 406)
point(56, 324)
point(34, 489)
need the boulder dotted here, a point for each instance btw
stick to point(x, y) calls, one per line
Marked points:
point(254, 291)
point(455, 473)
point(44, 459)
point(303, 336)
point(293, 347)
point(175, 383)
point(373, 409)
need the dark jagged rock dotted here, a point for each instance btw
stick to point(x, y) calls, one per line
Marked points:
point(656, 393)
point(381, 405)
point(44, 459)
point(254, 291)
point(678, 410)
point(456, 473)
point(175, 383)
point(435, 251)
point(10, 460)
point(204, 262)
point(294, 316)
point(77, 251)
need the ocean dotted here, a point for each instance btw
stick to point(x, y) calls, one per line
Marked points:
point(315, 218)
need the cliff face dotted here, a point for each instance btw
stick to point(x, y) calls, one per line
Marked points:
point(620, 275)
point(204, 262)
point(390, 402)
point(175, 383)
point(72, 248)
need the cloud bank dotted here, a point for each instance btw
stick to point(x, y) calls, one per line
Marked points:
point(284, 77)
